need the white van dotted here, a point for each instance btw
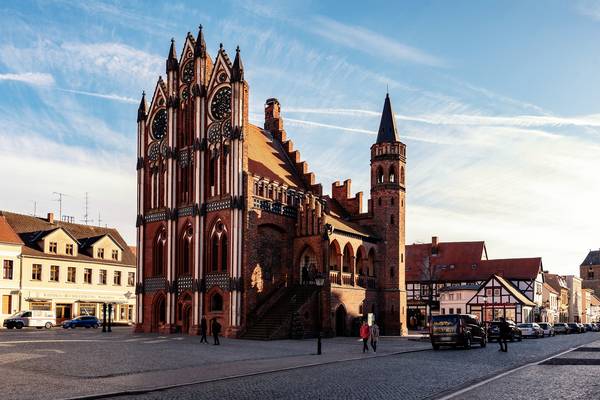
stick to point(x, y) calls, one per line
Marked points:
point(35, 318)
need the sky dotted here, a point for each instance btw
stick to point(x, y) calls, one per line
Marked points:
point(497, 102)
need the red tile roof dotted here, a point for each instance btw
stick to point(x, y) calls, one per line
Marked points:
point(31, 229)
point(7, 234)
point(550, 288)
point(267, 158)
point(554, 281)
point(464, 262)
point(453, 260)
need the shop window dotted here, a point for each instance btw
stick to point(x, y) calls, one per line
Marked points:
point(87, 309)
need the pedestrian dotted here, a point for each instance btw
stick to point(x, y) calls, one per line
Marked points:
point(203, 329)
point(216, 329)
point(374, 336)
point(304, 275)
point(364, 335)
point(504, 334)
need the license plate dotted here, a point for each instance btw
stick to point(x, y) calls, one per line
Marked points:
point(445, 339)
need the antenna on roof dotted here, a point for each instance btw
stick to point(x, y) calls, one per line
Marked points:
point(60, 196)
point(34, 208)
point(99, 220)
point(86, 217)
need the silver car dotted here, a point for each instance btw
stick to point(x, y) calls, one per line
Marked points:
point(531, 329)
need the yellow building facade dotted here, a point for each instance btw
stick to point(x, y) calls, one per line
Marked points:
point(67, 268)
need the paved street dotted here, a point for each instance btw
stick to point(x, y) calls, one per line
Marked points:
point(72, 363)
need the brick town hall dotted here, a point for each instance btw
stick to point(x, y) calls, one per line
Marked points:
point(233, 225)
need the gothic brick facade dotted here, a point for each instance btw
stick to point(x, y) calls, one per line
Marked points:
point(229, 216)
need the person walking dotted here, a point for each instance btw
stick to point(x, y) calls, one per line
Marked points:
point(364, 335)
point(203, 329)
point(374, 336)
point(504, 334)
point(216, 329)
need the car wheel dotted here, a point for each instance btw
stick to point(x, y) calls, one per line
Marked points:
point(48, 325)
point(65, 326)
point(87, 327)
point(520, 338)
point(9, 326)
point(95, 326)
point(512, 338)
point(483, 342)
point(468, 343)
point(435, 346)
point(19, 325)
point(72, 326)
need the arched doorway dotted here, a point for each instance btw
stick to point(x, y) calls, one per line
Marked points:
point(186, 318)
point(159, 313)
point(340, 321)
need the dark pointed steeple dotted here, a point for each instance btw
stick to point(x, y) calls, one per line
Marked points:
point(200, 49)
point(237, 71)
point(172, 63)
point(387, 127)
point(142, 109)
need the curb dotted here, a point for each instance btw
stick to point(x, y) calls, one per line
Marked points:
point(134, 392)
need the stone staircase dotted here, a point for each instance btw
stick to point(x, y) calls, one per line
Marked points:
point(276, 322)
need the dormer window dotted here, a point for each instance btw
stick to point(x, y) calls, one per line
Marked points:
point(53, 248)
point(69, 249)
point(115, 255)
point(101, 253)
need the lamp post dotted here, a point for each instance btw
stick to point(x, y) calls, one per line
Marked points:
point(319, 280)
point(484, 308)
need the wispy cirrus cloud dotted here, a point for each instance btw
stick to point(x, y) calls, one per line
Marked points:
point(588, 8)
point(107, 96)
point(31, 78)
point(365, 40)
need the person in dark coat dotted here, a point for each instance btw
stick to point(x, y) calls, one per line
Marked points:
point(504, 334)
point(203, 329)
point(304, 275)
point(216, 329)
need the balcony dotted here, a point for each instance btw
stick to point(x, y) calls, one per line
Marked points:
point(339, 278)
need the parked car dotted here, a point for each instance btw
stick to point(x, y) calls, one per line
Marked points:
point(581, 327)
point(531, 329)
point(547, 328)
point(588, 327)
point(575, 328)
point(596, 327)
point(35, 318)
point(456, 330)
point(494, 331)
point(561, 327)
point(84, 321)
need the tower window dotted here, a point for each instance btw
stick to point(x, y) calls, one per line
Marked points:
point(392, 175)
point(392, 219)
point(379, 201)
point(391, 272)
point(402, 175)
point(392, 201)
point(379, 175)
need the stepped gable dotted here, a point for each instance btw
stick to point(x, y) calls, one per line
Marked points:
point(30, 229)
point(341, 192)
point(274, 125)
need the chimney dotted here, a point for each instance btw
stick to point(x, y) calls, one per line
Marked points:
point(434, 245)
point(273, 120)
point(51, 217)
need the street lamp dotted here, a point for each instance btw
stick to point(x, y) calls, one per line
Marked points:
point(319, 280)
point(484, 308)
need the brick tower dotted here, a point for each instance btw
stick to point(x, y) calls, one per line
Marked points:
point(388, 163)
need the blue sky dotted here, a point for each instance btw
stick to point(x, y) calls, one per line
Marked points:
point(498, 104)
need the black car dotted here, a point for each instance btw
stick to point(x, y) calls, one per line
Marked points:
point(493, 332)
point(575, 328)
point(456, 330)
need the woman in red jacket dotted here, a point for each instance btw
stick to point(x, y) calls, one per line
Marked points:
point(364, 334)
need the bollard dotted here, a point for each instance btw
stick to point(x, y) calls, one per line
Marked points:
point(110, 307)
point(104, 317)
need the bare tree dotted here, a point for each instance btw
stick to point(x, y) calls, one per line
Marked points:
point(429, 275)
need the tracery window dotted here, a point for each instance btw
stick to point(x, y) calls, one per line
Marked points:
point(219, 249)
point(159, 253)
point(186, 254)
point(216, 302)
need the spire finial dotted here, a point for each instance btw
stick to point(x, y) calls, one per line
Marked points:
point(200, 27)
point(237, 72)
point(387, 90)
point(200, 49)
point(220, 46)
point(172, 63)
point(237, 49)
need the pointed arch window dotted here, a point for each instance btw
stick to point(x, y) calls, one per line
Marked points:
point(402, 175)
point(379, 175)
point(392, 174)
point(219, 253)
point(159, 253)
point(186, 254)
point(216, 302)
